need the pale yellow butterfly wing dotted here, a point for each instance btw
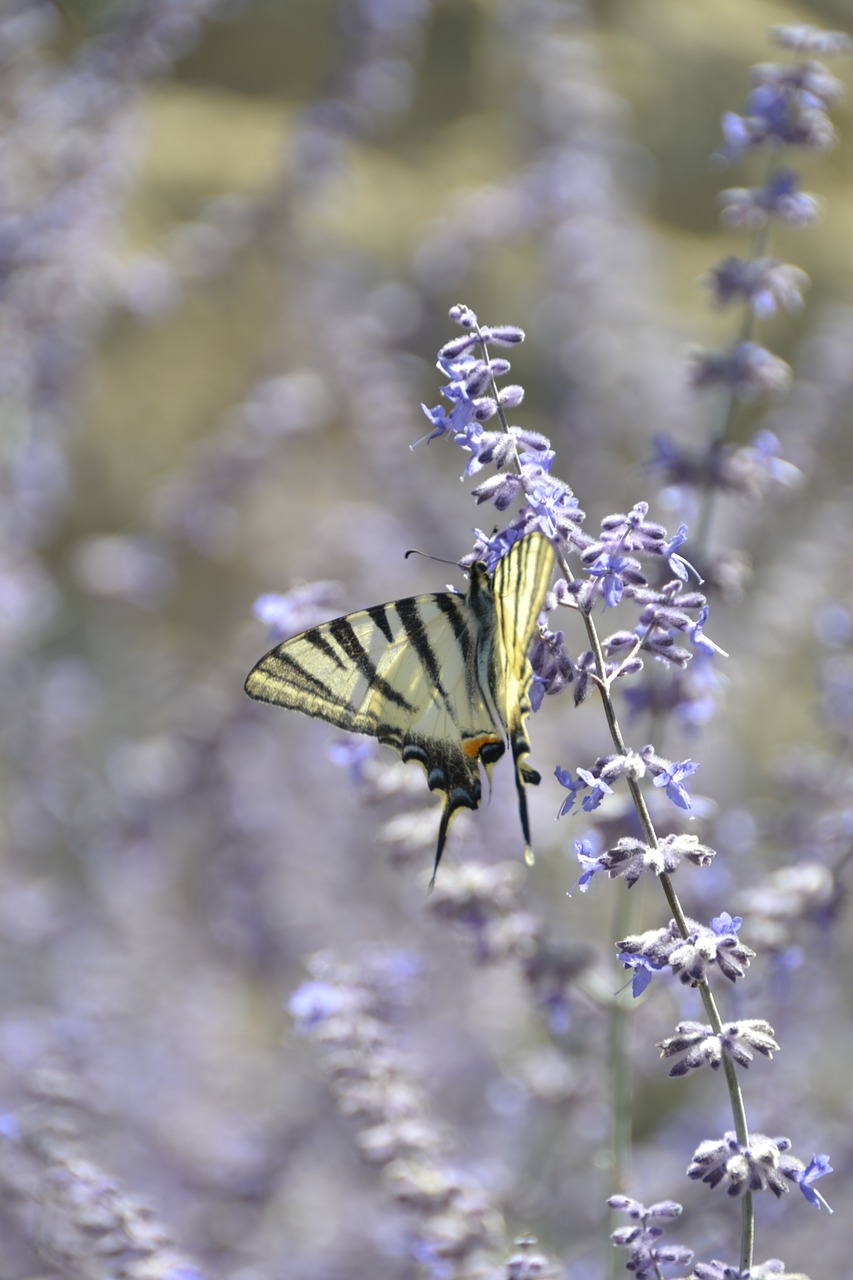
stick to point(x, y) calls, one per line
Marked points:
point(521, 582)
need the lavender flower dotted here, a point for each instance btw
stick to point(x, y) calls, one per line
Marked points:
point(748, 368)
point(287, 614)
point(643, 1241)
point(765, 283)
point(751, 208)
point(762, 1164)
point(690, 957)
point(672, 778)
point(697, 1045)
point(773, 1269)
point(632, 858)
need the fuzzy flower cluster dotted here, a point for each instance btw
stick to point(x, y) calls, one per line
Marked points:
point(761, 1164)
point(648, 1252)
point(772, 1269)
point(666, 775)
point(696, 1044)
point(787, 107)
point(485, 904)
point(643, 1239)
point(88, 1222)
point(285, 614)
point(631, 857)
point(689, 958)
point(351, 1010)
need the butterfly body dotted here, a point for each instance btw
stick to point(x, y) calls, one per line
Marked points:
point(442, 678)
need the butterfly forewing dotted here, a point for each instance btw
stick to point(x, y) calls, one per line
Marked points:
point(401, 672)
point(410, 673)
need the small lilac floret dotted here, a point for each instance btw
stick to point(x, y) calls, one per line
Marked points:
point(725, 924)
point(677, 563)
point(697, 639)
point(590, 863)
point(671, 778)
point(600, 789)
point(817, 1167)
point(545, 500)
point(572, 785)
point(439, 421)
point(608, 569)
point(644, 971)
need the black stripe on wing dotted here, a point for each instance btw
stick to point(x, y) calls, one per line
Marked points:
point(378, 615)
point(342, 632)
point(521, 583)
point(409, 614)
point(451, 607)
point(281, 672)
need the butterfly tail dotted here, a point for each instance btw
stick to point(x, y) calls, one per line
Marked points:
point(459, 798)
point(446, 815)
point(524, 777)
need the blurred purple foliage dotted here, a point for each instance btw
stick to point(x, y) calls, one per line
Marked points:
point(175, 859)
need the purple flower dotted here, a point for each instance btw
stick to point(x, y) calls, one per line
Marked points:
point(287, 614)
point(671, 778)
point(679, 566)
point(315, 1002)
point(572, 785)
point(644, 970)
point(750, 208)
point(502, 490)
point(492, 549)
point(726, 925)
point(590, 862)
point(552, 665)
point(546, 499)
point(764, 449)
point(767, 284)
point(438, 420)
point(543, 458)
point(352, 753)
point(600, 789)
point(748, 367)
point(468, 378)
point(817, 1167)
point(786, 107)
point(699, 641)
point(609, 569)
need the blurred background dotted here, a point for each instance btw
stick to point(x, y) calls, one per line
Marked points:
point(230, 234)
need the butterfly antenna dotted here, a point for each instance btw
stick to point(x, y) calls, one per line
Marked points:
point(413, 551)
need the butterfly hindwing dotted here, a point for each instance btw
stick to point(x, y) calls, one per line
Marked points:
point(521, 582)
point(443, 678)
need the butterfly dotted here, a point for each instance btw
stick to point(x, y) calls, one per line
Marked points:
point(444, 679)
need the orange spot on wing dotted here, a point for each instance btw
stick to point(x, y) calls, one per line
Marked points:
point(473, 746)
